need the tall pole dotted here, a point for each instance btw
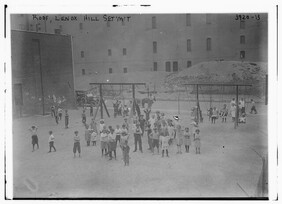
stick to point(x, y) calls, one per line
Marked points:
point(133, 96)
point(101, 101)
point(237, 107)
point(266, 89)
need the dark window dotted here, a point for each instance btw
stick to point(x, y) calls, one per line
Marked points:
point(38, 27)
point(189, 45)
point(242, 39)
point(83, 71)
point(155, 49)
point(124, 70)
point(167, 67)
point(124, 51)
point(80, 26)
point(242, 54)
point(109, 52)
point(175, 67)
point(209, 44)
point(242, 24)
point(189, 64)
point(154, 22)
point(208, 18)
point(188, 19)
point(110, 70)
point(82, 54)
point(155, 66)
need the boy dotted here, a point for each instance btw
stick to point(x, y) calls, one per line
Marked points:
point(224, 113)
point(142, 123)
point(104, 140)
point(147, 112)
point(125, 152)
point(155, 139)
point(91, 110)
point(87, 135)
point(60, 112)
point(51, 141)
point(253, 109)
point(214, 115)
point(34, 137)
point(197, 141)
point(66, 119)
point(111, 143)
point(83, 115)
point(126, 123)
point(76, 145)
point(118, 133)
point(149, 131)
point(187, 139)
point(137, 137)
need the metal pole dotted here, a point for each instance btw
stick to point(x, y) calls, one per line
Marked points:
point(266, 89)
point(133, 96)
point(101, 101)
point(237, 107)
point(197, 96)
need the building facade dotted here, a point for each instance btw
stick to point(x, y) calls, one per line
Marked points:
point(147, 42)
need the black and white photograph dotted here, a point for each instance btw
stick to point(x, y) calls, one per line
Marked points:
point(140, 105)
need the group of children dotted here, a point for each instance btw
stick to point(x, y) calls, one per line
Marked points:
point(57, 113)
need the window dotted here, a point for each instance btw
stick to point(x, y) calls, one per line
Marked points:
point(242, 39)
point(175, 67)
point(209, 44)
point(38, 27)
point(109, 52)
point(82, 54)
point(242, 24)
point(188, 19)
point(154, 22)
point(242, 55)
point(189, 45)
point(155, 47)
point(167, 67)
point(189, 64)
point(124, 51)
point(83, 71)
point(110, 70)
point(80, 26)
point(124, 70)
point(155, 66)
point(208, 18)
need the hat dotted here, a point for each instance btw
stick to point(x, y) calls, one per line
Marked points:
point(175, 117)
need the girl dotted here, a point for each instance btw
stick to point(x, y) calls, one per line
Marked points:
point(34, 137)
point(76, 144)
point(187, 139)
point(179, 139)
point(197, 141)
point(104, 140)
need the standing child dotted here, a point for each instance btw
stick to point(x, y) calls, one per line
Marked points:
point(197, 141)
point(124, 136)
point(125, 152)
point(187, 139)
point(224, 113)
point(66, 119)
point(155, 139)
point(118, 134)
point(164, 144)
point(253, 109)
point(91, 110)
point(104, 140)
point(111, 143)
point(214, 115)
point(233, 112)
point(94, 135)
point(76, 144)
point(83, 115)
point(87, 135)
point(60, 112)
point(179, 139)
point(34, 137)
point(51, 141)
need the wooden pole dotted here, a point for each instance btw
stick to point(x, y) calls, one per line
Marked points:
point(101, 100)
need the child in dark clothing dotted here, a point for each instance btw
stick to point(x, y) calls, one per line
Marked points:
point(66, 119)
point(125, 151)
point(34, 137)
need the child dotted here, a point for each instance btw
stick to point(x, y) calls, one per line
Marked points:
point(102, 125)
point(66, 119)
point(83, 115)
point(197, 141)
point(171, 132)
point(125, 152)
point(104, 140)
point(118, 134)
point(147, 112)
point(53, 111)
point(224, 113)
point(51, 141)
point(187, 139)
point(34, 137)
point(87, 135)
point(155, 139)
point(91, 110)
point(76, 144)
point(179, 139)
point(60, 112)
point(214, 115)
point(164, 144)
point(137, 132)
point(253, 109)
point(111, 143)
point(124, 136)
point(242, 118)
point(233, 112)
point(126, 123)
point(94, 137)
